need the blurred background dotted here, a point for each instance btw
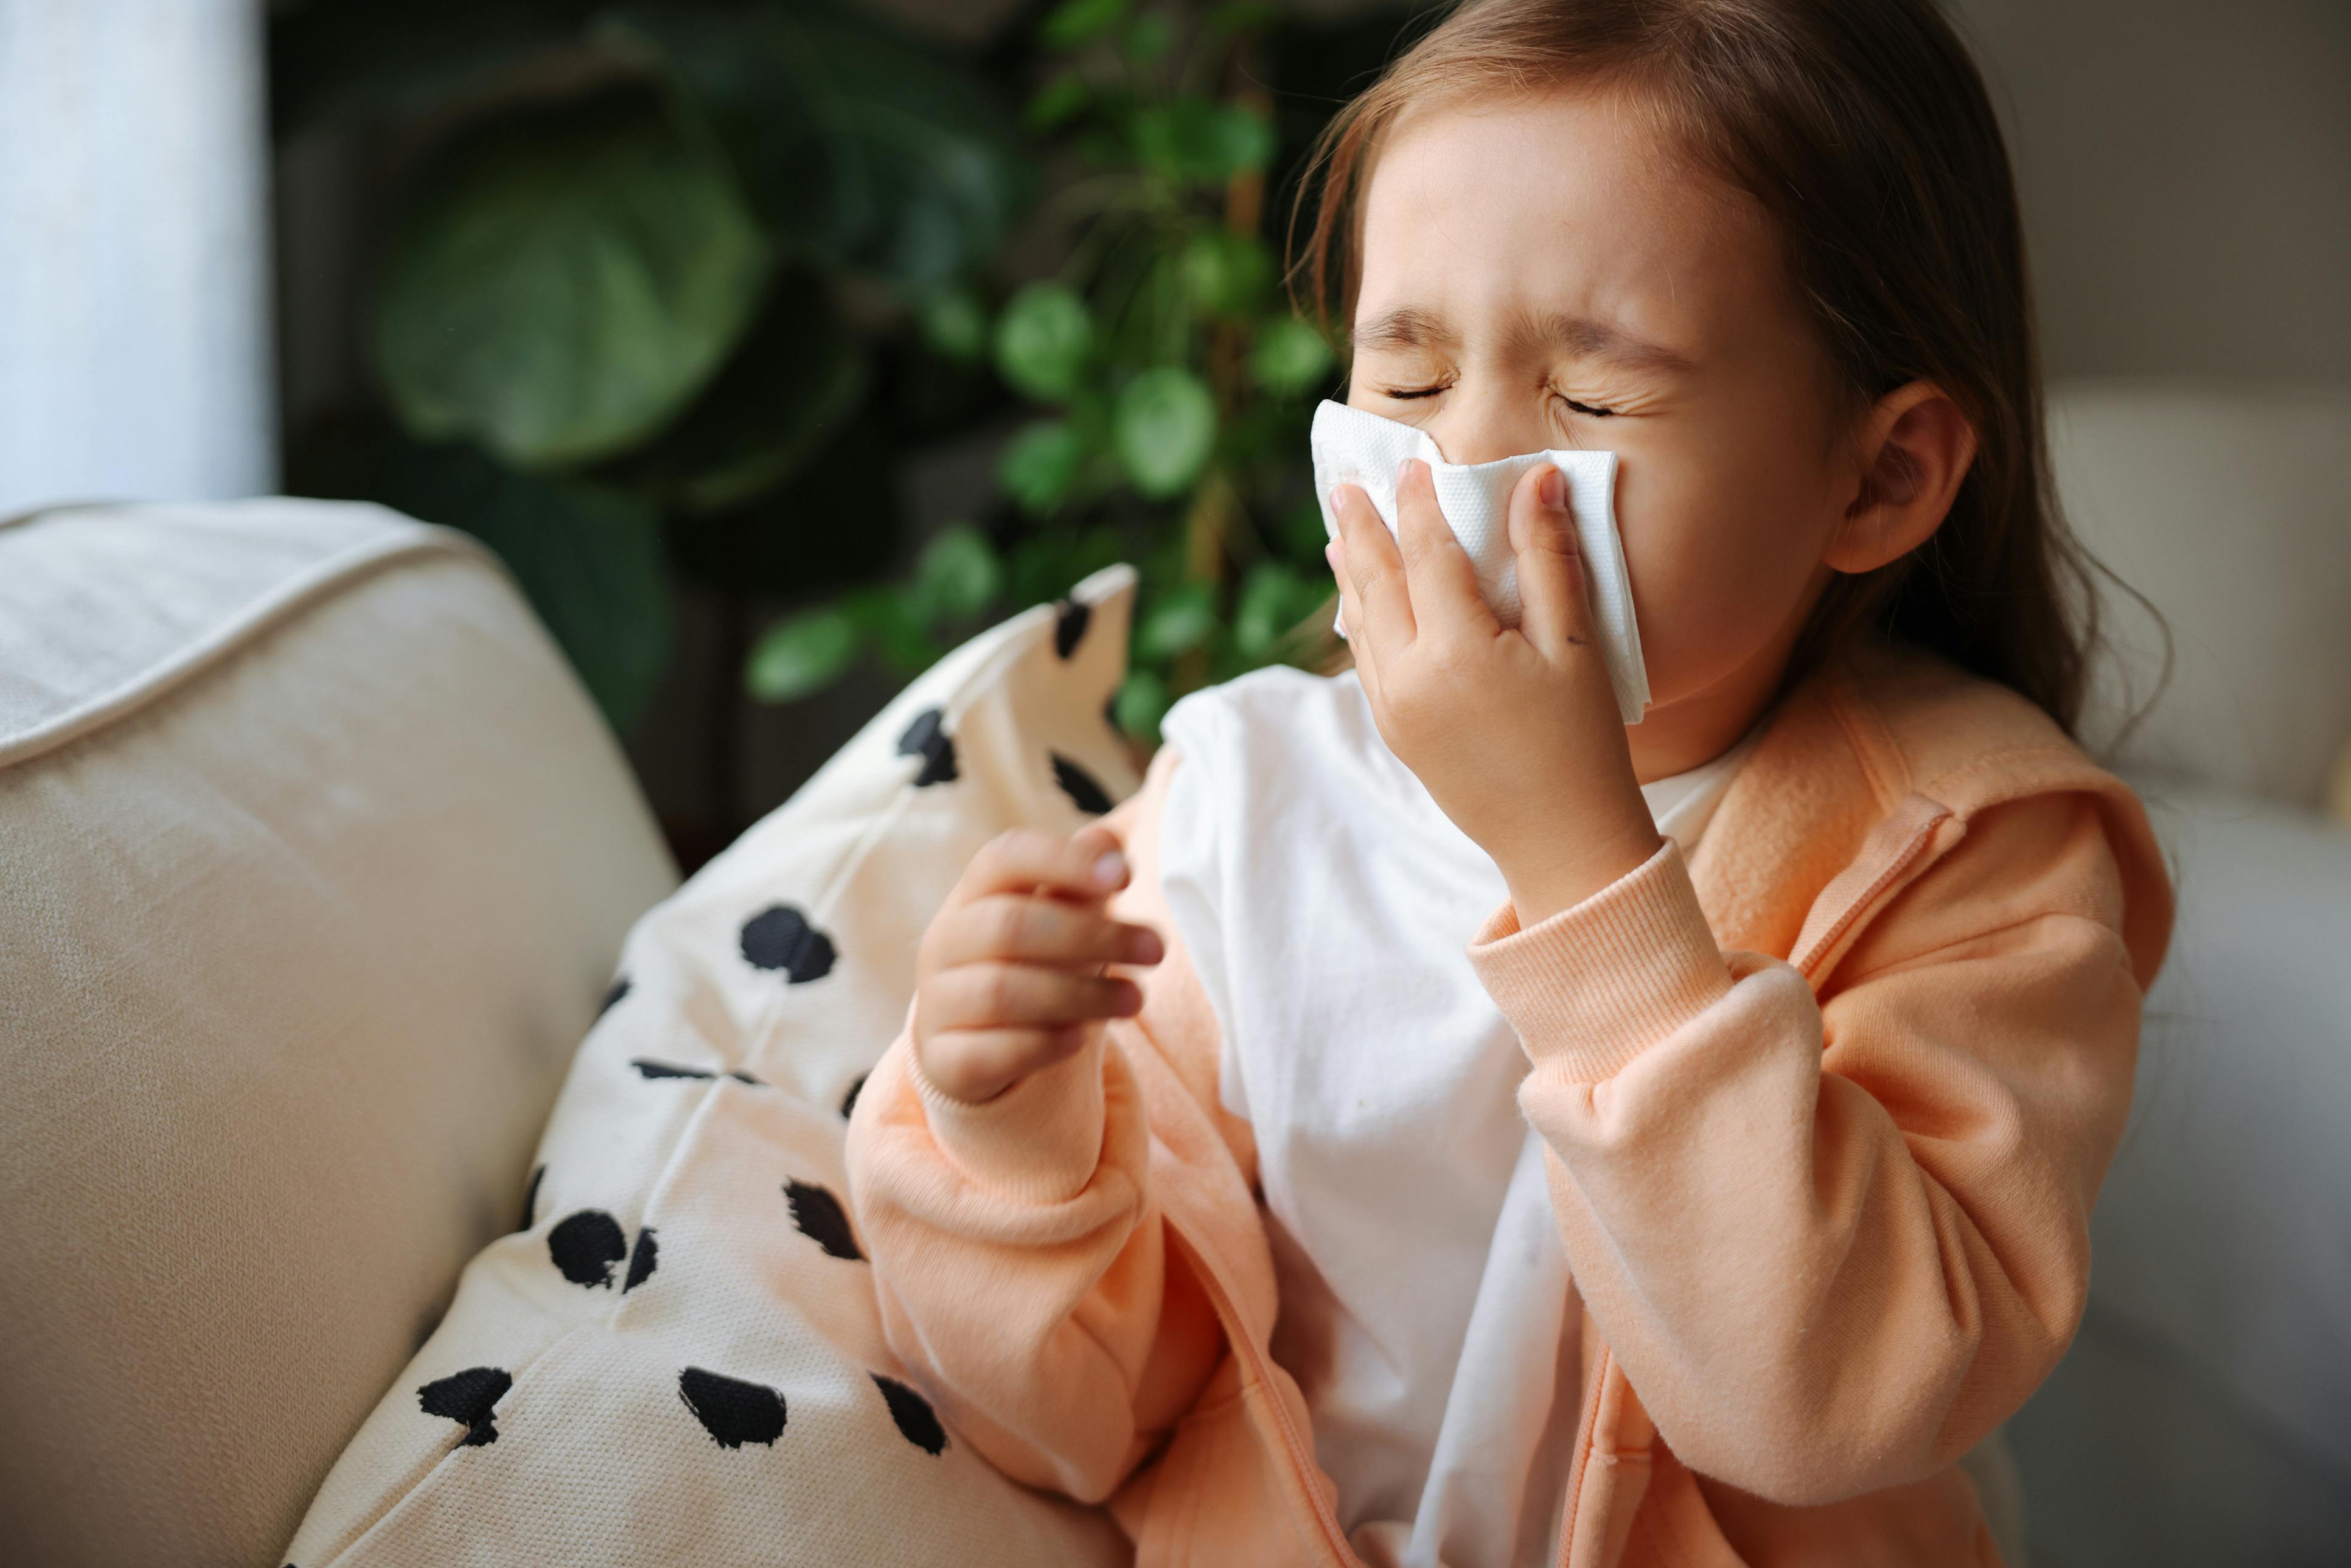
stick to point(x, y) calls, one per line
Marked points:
point(778, 346)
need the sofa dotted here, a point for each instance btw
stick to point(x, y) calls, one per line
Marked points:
point(315, 861)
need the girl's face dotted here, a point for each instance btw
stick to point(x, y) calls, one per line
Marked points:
point(1543, 273)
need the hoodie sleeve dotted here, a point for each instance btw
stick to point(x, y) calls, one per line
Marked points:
point(1023, 1270)
point(1832, 1242)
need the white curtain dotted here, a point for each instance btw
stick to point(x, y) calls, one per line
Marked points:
point(135, 346)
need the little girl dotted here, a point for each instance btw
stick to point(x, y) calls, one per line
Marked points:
point(1433, 1121)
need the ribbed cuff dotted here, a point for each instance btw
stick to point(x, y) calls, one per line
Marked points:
point(1038, 1141)
point(1591, 988)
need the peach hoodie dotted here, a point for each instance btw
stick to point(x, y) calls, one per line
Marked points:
point(1826, 1109)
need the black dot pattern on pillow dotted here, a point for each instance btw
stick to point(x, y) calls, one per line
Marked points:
point(927, 738)
point(732, 1411)
point(648, 1070)
point(917, 1423)
point(818, 1215)
point(1070, 619)
point(468, 1397)
point(691, 1216)
point(780, 938)
point(586, 1245)
point(643, 1260)
point(1079, 786)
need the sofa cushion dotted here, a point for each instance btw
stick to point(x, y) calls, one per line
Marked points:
point(317, 859)
point(677, 1357)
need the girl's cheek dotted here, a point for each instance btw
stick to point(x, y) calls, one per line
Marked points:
point(1714, 560)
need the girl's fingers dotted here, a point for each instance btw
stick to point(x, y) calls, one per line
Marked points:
point(996, 994)
point(1438, 575)
point(1086, 864)
point(1367, 659)
point(1012, 925)
point(1382, 603)
point(1556, 610)
point(977, 1064)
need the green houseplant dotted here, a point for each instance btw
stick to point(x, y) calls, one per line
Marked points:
point(1169, 381)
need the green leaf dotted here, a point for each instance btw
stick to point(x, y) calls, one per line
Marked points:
point(800, 655)
point(1226, 274)
point(1274, 598)
point(893, 618)
point(1290, 357)
point(1242, 17)
point(570, 279)
point(955, 324)
point(1178, 623)
point(1142, 700)
point(957, 575)
point(1043, 340)
point(1040, 463)
point(789, 389)
point(1058, 102)
point(860, 149)
point(1164, 427)
point(1149, 38)
point(1074, 22)
point(1201, 143)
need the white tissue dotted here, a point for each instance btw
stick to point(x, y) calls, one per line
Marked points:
point(1355, 447)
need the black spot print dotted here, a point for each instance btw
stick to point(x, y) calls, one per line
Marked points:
point(917, 1423)
point(849, 1102)
point(642, 1261)
point(732, 1411)
point(468, 1396)
point(613, 998)
point(927, 739)
point(586, 1245)
point(650, 1071)
point(1079, 786)
point(1070, 619)
point(818, 1216)
point(780, 938)
point(530, 1199)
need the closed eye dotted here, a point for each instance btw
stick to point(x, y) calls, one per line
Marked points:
point(1408, 393)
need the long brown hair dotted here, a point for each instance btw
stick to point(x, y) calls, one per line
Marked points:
point(1864, 128)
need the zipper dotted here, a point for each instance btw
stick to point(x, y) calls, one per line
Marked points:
point(1301, 1461)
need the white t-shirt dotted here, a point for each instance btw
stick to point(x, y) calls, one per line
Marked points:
point(1326, 901)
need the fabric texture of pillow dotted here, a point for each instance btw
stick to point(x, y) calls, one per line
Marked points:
point(678, 1357)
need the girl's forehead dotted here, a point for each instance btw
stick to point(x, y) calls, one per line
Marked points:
point(1574, 196)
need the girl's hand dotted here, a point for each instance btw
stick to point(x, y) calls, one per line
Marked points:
point(1515, 734)
point(1008, 976)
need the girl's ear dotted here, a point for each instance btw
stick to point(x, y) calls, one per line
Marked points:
point(1916, 447)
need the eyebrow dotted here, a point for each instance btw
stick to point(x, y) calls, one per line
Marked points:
point(1410, 327)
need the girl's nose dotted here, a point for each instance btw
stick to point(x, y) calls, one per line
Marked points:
point(1482, 420)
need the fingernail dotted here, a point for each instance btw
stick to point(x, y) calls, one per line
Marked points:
point(1109, 869)
point(1144, 947)
point(1404, 468)
point(1335, 498)
point(1550, 489)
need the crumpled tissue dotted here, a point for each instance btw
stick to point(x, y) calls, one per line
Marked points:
point(1355, 446)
